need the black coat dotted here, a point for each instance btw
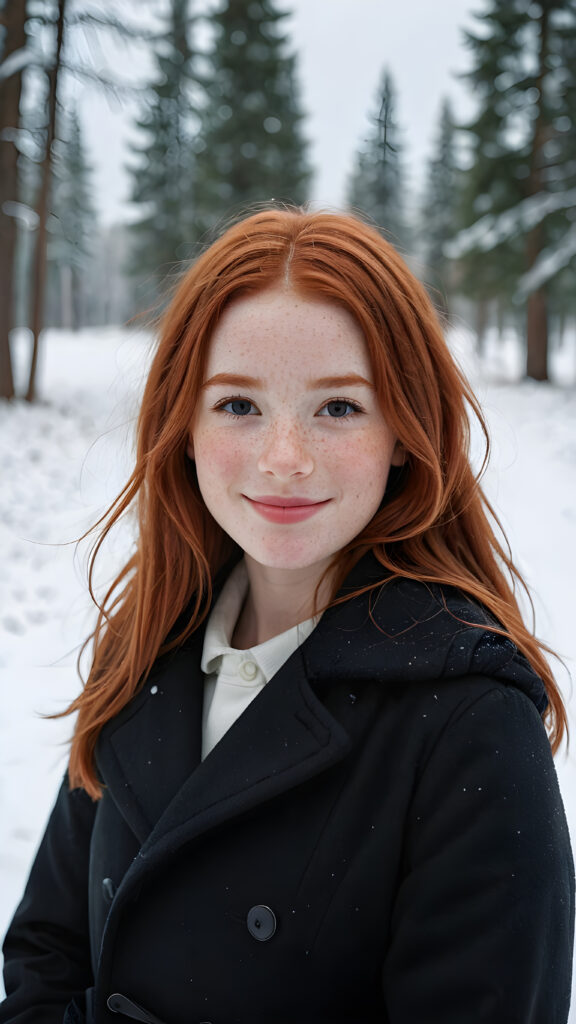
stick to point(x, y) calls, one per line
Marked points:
point(379, 837)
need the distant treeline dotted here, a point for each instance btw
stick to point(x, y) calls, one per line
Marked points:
point(221, 126)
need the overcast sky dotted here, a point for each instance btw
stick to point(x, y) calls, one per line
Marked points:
point(342, 46)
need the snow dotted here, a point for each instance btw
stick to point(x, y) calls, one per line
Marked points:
point(493, 229)
point(548, 264)
point(63, 460)
point(28, 217)
point(17, 61)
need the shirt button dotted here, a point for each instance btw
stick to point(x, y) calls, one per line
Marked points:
point(248, 670)
point(261, 921)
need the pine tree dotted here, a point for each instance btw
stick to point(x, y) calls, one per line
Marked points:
point(72, 227)
point(251, 145)
point(439, 209)
point(164, 170)
point(523, 159)
point(377, 185)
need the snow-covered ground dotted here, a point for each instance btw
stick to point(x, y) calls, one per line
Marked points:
point(64, 459)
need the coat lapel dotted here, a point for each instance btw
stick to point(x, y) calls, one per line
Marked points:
point(149, 756)
point(285, 736)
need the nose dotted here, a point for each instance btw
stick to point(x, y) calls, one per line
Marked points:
point(286, 452)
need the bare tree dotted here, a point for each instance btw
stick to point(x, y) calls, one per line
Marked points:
point(22, 25)
point(12, 21)
point(39, 268)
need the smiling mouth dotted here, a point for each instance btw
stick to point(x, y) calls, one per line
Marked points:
point(286, 510)
point(295, 502)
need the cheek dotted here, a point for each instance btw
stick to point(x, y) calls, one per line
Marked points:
point(366, 462)
point(217, 458)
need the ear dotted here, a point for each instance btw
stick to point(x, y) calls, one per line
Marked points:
point(399, 455)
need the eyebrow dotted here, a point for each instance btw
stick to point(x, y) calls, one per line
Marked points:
point(238, 380)
point(347, 381)
point(235, 380)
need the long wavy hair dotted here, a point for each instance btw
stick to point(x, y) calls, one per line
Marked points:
point(435, 524)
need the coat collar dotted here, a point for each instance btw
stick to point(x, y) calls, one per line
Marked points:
point(406, 631)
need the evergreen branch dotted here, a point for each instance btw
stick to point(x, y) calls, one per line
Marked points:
point(89, 18)
point(494, 229)
point(85, 73)
point(17, 61)
point(549, 264)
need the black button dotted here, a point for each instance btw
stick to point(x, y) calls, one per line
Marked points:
point(108, 889)
point(261, 923)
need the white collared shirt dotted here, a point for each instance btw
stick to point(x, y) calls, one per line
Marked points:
point(234, 678)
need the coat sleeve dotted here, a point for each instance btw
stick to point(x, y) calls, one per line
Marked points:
point(47, 948)
point(484, 916)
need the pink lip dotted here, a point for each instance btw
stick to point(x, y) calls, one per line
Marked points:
point(285, 510)
point(271, 499)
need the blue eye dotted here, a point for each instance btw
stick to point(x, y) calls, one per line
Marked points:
point(339, 408)
point(238, 407)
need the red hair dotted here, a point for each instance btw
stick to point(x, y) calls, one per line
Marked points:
point(435, 526)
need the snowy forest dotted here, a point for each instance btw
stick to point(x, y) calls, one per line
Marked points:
point(222, 126)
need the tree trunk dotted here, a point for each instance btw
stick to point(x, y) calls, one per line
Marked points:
point(68, 319)
point(500, 319)
point(481, 326)
point(39, 266)
point(537, 306)
point(561, 330)
point(12, 19)
point(537, 336)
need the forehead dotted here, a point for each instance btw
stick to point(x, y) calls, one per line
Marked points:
point(284, 327)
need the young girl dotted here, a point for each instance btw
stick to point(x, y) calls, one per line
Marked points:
point(310, 781)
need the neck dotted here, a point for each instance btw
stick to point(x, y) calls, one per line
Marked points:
point(277, 599)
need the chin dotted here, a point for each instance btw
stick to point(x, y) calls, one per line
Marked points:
point(290, 561)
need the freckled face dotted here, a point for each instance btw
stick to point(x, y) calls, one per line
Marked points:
point(291, 448)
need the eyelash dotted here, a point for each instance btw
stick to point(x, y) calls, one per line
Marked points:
point(220, 406)
point(354, 406)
